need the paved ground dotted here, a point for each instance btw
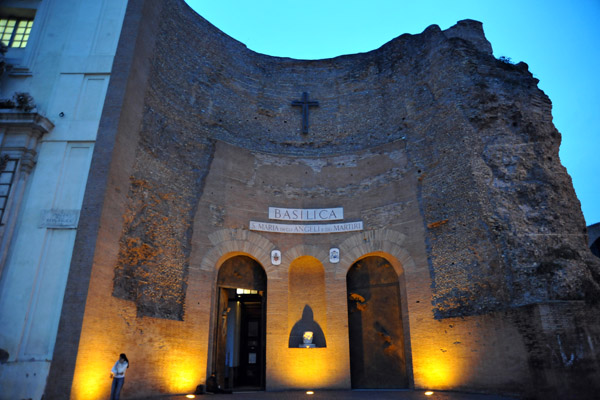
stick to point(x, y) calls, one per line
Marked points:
point(345, 395)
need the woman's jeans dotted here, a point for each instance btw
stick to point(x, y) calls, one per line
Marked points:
point(115, 391)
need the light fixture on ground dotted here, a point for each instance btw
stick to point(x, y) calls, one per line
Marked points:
point(190, 396)
point(428, 393)
point(310, 392)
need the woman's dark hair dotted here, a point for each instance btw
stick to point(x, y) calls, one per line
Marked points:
point(124, 357)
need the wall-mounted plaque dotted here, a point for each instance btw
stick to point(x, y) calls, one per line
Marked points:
point(306, 214)
point(275, 257)
point(334, 255)
point(306, 229)
point(59, 219)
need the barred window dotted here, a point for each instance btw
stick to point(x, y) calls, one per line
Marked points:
point(8, 168)
point(14, 32)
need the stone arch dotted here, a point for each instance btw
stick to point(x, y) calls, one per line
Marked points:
point(239, 270)
point(239, 315)
point(228, 243)
point(388, 245)
point(302, 250)
point(385, 243)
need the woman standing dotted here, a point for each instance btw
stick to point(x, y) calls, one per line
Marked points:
point(118, 374)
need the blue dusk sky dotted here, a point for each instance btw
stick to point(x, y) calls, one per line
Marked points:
point(558, 39)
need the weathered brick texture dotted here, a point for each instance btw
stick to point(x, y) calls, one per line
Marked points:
point(448, 156)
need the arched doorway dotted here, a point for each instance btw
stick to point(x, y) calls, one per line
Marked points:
point(240, 336)
point(377, 359)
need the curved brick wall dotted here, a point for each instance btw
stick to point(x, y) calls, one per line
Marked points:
point(447, 155)
point(476, 130)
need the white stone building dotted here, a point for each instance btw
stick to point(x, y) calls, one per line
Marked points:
point(60, 52)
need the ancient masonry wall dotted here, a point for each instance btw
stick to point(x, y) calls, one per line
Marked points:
point(447, 155)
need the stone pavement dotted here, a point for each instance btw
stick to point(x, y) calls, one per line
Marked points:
point(346, 395)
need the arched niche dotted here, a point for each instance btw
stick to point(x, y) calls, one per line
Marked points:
point(307, 305)
point(375, 328)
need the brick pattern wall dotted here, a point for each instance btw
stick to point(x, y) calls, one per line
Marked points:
point(447, 155)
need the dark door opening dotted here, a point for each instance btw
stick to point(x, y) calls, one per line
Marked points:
point(251, 357)
point(377, 359)
point(240, 345)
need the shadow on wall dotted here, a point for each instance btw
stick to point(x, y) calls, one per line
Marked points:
point(594, 238)
point(307, 323)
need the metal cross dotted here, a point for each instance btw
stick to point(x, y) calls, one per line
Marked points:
point(304, 103)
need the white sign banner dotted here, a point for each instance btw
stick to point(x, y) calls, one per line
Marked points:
point(306, 214)
point(305, 229)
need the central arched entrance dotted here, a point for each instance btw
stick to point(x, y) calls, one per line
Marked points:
point(377, 359)
point(239, 359)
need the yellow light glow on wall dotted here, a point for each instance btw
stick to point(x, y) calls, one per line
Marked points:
point(309, 368)
point(92, 383)
point(437, 372)
point(92, 374)
point(176, 370)
point(181, 371)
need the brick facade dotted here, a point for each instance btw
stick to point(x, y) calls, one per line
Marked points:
point(446, 154)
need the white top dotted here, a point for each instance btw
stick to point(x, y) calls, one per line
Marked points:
point(119, 369)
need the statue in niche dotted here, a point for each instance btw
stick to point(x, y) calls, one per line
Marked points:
point(307, 324)
point(307, 338)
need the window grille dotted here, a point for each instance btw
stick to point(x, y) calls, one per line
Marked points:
point(14, 32)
